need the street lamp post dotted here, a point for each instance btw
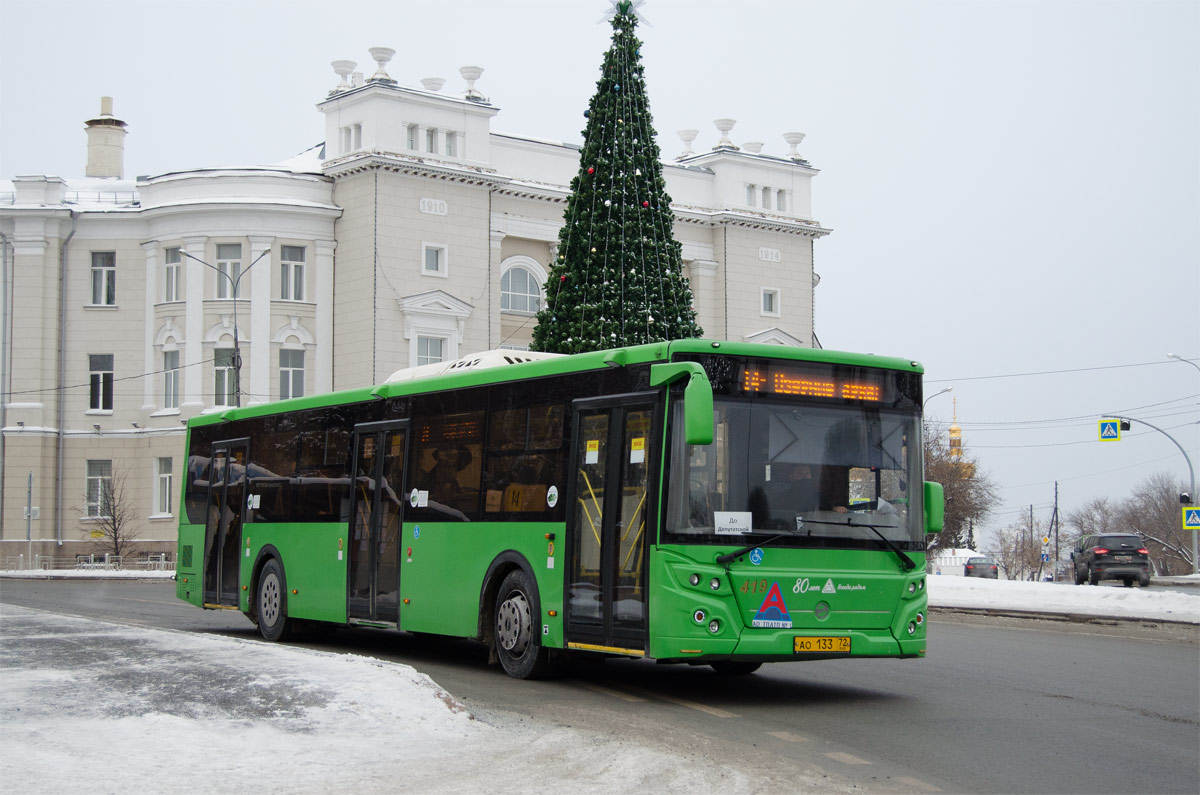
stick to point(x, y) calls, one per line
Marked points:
point(1192, 485)
point(233, 296)
point(935, 394)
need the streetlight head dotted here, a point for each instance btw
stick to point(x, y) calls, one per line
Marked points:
point(1173, 356)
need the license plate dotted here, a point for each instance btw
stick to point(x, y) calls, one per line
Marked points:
point(821, 645)
point(1124, 558)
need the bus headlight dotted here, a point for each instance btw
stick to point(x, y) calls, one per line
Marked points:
point(912, 587)
point(714, 626)
point(714, 583)
point(912, 627)
point(920, 619)
point(694, 579)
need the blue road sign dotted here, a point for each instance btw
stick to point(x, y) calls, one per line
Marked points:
point(1110, 430)
point(1191, 518)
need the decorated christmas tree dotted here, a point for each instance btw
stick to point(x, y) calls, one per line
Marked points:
point(618, 277)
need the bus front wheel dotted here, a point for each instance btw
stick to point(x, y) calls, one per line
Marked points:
point(516, 638)
point(271, 601)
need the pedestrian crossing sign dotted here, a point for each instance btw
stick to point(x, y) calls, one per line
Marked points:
point(1110, 430)
point(1191, 518)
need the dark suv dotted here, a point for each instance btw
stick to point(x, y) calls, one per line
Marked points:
point(981, 567)
point(1111, 557)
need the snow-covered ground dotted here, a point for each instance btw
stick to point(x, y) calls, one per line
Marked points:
point(91, 706)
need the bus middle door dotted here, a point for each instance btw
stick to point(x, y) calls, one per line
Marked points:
point(375, 520)
point(611, 523)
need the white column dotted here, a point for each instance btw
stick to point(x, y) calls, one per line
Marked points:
point(194, 374)
point(153, 363)
point(495, 258)
point(324, 331)
point(260, 324)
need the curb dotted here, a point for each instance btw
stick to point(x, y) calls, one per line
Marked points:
point(1071, 618)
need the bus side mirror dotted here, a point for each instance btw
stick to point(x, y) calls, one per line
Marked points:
point(697, 398)
point(935, 507)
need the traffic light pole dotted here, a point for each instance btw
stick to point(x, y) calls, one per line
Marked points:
point(1191, 479)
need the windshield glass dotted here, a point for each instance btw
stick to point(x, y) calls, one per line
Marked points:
point(819, 473)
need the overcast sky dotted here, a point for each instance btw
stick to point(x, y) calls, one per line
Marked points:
point(1014, 187)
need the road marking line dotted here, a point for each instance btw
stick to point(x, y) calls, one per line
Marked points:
point(849, 759)
point(789, 737)
point(917, 784)
point(715, 712)
point(614, 693)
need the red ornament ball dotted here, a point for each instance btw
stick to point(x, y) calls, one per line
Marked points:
point(645, 204)
point(591, 170)
point(562, 278)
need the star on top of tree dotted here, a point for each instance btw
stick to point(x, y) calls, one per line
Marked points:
point(630, 5)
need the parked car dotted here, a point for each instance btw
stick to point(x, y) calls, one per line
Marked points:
point(981, 567)
point(1117, 556)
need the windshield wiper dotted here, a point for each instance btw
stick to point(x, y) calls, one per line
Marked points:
point(728, 556)
point(908, 562)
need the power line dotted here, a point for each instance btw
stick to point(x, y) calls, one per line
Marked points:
point(1047, 372)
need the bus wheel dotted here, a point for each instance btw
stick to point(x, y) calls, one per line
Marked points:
point(273, 622)
point(734, 668)
point(517, 645)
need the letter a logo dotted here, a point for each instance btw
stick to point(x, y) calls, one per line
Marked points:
point(773, 612)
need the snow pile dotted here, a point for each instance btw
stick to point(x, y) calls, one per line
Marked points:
point(97, 707)
point(1048, 597)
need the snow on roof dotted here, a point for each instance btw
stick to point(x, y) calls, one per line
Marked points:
point(307, 162)
point(475, 361)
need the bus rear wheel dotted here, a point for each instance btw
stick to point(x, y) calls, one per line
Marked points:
point(271, 602)
point(516, 639)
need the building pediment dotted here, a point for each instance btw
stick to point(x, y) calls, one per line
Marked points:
point(435, 302)
point(775, 336)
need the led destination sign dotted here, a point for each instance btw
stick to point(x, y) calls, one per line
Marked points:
point(788, 381)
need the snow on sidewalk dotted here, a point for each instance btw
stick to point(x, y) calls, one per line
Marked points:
point(92, 707)
point(1047, 597)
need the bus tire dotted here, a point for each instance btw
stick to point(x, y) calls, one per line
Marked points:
point(271, 602)
point(516, 639)
point(735, 667)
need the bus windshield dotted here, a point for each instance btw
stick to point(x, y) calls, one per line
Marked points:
point(814, 473)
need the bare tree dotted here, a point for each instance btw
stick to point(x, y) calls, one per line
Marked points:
point(970, 495)
point(1018, 549)
point(1153, 512)
point(113, 524)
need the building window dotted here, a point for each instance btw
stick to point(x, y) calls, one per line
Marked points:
point(291, 273)
point(429, 350)
point(412, 136)
point(162, 486)
point(100, 366)
point(451, 144)
point(519, 291)
point(431, 141)
point(99, 488)
point(770, 302)
point(291, 374)
point(224, 377)
point(104, 278)
point(357, 129)
point(433, 259)
point(781, 201)
point(766, 196)
point(345, 138)
point(751, 192)
point(229, 266)
point(172, 271)
point(170, 379)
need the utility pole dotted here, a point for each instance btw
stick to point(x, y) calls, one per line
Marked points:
point(1057, 521)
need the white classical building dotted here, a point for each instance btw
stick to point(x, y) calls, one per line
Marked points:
point(413, 234)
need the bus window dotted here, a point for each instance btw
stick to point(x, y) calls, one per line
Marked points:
point(449, 466)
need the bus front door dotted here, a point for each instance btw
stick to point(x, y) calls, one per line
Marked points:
point(611, 525)
point(374, 561)
point(223, 529)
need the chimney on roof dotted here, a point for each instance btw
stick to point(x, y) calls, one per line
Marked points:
point(106, 143)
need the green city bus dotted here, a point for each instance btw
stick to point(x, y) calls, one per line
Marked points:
point(693, 501)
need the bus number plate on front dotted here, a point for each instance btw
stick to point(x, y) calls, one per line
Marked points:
point(821, 645)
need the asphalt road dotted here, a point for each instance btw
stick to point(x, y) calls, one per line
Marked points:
point(999, 705)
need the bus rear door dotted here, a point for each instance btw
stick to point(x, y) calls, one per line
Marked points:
point(223, 529)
